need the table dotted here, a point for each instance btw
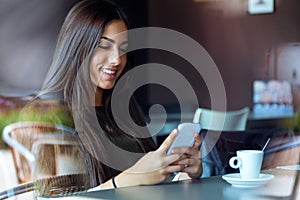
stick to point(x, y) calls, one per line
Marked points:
point(212, 188)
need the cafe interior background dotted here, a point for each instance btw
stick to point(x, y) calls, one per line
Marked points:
point(236, 40)
point(243, 45)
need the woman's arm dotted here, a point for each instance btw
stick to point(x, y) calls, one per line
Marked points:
point(153, 168)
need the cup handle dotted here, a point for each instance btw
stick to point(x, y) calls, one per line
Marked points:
point(235, 165)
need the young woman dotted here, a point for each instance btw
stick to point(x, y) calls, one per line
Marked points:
point(89, 59)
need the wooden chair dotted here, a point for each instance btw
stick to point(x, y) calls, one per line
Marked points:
point(282, 151)
point(42, 150)
point(57, 186)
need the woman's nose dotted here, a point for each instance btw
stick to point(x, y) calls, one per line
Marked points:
point(114, 58)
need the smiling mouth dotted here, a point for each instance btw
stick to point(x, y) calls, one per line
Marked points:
point(109, 72)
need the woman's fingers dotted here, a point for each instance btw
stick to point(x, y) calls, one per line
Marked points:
point(193, 171)
point(184, 159)
point(168, 141)
point(190, 159)
point(188, 162)
point(198, 141)
point(188, 151)
point(171, 158)
point(193, 167)
point(173, 168)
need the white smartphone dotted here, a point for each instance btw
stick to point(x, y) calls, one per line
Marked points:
point(186, 135)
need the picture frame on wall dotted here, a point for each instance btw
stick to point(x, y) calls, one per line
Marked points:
point(261, 7)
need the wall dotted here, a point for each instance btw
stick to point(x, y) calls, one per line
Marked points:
point(28, 35)
point(236, 41)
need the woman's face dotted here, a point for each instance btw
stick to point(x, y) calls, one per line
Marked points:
point(109, 58)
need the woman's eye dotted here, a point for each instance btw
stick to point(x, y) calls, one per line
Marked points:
point(103, 46)
point(123, 49)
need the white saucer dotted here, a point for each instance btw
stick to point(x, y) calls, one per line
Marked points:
point(236, 181)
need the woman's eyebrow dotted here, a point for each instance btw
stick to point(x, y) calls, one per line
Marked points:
point(106, 38)
point(113, 41)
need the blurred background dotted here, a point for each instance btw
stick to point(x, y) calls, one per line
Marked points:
point(237, 41)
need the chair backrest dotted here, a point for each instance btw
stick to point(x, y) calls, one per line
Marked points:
point(39, 147)
point(222, 121)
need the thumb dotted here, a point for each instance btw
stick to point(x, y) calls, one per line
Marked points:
point(168, 141)
point(198, 141)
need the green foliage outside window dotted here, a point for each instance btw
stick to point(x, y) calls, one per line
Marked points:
point(15, 110)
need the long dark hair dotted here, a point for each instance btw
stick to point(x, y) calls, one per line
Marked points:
point(69, 78)
point(78, 37)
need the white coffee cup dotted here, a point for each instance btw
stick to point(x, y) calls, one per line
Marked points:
point(249, 163)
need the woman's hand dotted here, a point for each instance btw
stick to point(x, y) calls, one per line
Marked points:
point(154, 167)
point(190, 158)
